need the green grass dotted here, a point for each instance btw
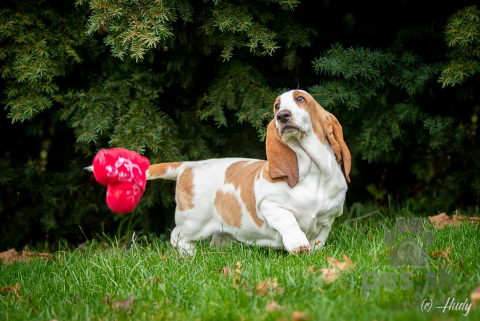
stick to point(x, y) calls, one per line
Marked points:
point(74, 284)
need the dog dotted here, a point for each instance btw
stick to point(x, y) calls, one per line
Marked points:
point(289, 201)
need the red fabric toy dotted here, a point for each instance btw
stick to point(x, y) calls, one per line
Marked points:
point(124, 173)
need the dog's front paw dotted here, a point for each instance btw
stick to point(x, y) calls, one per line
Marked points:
point(304, 249)
point(297, 244)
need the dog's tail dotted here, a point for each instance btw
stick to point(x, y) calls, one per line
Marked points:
point(166, 170)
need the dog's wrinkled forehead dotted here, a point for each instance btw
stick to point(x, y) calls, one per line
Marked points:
point(289, 100)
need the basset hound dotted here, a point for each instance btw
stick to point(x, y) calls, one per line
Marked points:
point(289, 201)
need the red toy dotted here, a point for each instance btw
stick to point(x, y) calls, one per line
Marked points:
point(124, 173)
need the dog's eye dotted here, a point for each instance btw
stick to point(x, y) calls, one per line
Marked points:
point(300, 99)
point(277, 106)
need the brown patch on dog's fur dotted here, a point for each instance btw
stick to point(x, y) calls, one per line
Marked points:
point(159, 170)
point(229, 209)
point(185, 190)
point(242, 176)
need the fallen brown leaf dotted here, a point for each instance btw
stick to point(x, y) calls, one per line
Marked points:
point(330, 275)
point(236, 273)
point(441, 220)
point(342, 266)
point(269, 286)
point(4, 256)
point(125, 304)
point(226, 270)
point(238, 282)
point(442, 254)
point(30, 301)
point(150, 280)
point(13, 289)
point(312, 268)
point(272, 306)
point(106, 300)
point(299, 316)
point(10, 256)
point(320, 289)
point(460, 264)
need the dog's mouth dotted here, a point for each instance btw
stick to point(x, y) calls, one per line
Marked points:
point(289, 128)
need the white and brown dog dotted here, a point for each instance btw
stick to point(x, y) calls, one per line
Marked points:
point(289, 201)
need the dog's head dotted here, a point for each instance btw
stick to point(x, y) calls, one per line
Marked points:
point(296, 115)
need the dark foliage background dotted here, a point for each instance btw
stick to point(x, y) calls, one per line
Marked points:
point(178, 79)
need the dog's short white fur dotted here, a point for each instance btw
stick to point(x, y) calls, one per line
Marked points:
point(289, 201)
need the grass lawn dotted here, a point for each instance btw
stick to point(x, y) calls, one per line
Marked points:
point(165, 285)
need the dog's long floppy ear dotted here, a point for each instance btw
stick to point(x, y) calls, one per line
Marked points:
point(333, 131)
point(282, 160)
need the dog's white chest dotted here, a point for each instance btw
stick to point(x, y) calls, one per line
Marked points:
point(317, 202)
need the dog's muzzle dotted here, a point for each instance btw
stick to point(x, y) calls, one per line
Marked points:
point(286, 123)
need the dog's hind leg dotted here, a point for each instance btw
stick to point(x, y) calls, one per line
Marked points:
point(221, 239)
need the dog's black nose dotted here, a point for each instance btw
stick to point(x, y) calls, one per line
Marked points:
point(283, 116)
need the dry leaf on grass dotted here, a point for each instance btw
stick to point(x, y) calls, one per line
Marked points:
point(123, 304)
point(30, 302)
point(299, 316)
point(442, 254)
point(312, 268)
point(5, 256)
point(441, 220)
point(272, 306)
point(330, 275)
point(236, 273)
point(227, 271)
point(10, 256)
point(13, 289)
point(150, 280)
point(460, 264)
point(266, 287)
point(475, 297)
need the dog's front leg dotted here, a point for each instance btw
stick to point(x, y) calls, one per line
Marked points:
point(285, 223)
